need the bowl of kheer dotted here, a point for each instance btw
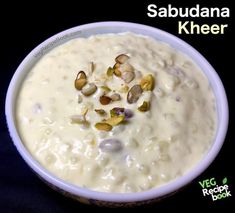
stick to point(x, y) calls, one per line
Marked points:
point(116, 113)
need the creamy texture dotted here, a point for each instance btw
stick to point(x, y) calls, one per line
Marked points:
point(156, 146)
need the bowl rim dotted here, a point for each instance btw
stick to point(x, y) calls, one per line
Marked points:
point(154, 193)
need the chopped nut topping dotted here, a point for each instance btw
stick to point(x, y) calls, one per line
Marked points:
point(117, 71)
point(147, 82)
point(134, 94)
point(115, 120)
point(128, 76)
point(92, 67)
point(89, 89)
point(115, 97)
point(144, 107)
point(103, 126)
point(110, 71)
point(80, 80)
point(105, 100)
point(100, 112)
point(106, 89)
point(121, 58)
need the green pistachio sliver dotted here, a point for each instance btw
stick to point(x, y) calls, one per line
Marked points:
point(110, 71)
point(103, 126)
point(100, 112)
point(147, 83)
point(144, 107)
point(115, 120)
point(116, 111)
point(92, 67)
point(106, 89)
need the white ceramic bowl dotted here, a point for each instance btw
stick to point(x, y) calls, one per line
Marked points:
point(101, 198)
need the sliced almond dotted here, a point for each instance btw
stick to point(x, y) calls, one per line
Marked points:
point(89, 89)
point(128, 76)
point(80, 80)
point(103, 126)
point(147, 82)
point(122, 58)
point(105, 100)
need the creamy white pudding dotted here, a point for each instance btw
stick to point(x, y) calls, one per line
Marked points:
point(116, 112)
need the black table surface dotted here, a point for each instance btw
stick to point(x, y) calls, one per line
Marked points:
point(23, 28)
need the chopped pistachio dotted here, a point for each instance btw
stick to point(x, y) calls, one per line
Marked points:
point(103, 126)
point(100, 112)
point(80, 80)
point(115, 120)
point(128, 76)
point(144, 107)
point(122, 58)
point(110, 71)
point(117, 71)
point(105, 100)
point(147, 82)
point(106, 89)
point(116, 111)
point(89, 89)
point(134, 94)
point(115, 97)
point(92, 67)
point(127, 68)
point(124, 89)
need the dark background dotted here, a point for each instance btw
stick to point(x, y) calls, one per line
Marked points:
point(25, 26)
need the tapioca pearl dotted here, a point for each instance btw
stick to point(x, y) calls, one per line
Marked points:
point(37, 108)
point(164, 177)
point(109, 173)
point(47, 131)
point(164, 157)
point(191, 83)
point(117, 129)
point(64, 148)
point(74, 160)
point(145, 185)
point(158, 92)
point(103, 134)
point(132, 143)
point(171, 82)
point(48, 121)
point(143, 168)
point(152, 147)
point(102, 160)
point(129, 160)
point(186, 64)
point(129, 187)
point(49, 159)
point(119, 179)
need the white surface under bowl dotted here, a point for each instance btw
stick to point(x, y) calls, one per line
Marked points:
point(102, 198)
